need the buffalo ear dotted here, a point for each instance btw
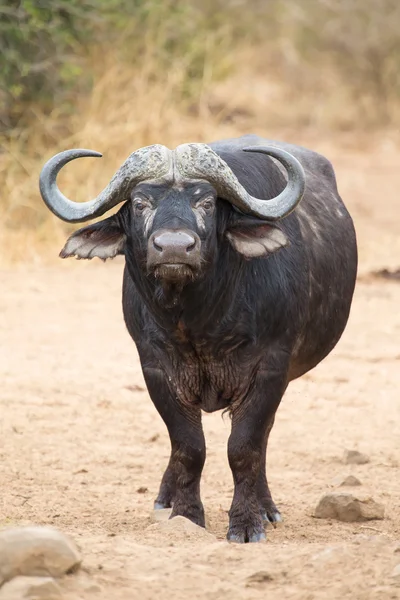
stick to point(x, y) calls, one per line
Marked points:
point(104, 239)
point(253, 238)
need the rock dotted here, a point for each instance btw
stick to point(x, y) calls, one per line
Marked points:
point(31, 588)
point(397, 548)
point(36, 551)
point(180, 529)
point(349, 508)
point(354, 457)
point(396, 572)
point(347, 481)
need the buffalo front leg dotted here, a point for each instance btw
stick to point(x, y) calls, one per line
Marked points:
point(269, 511)
point(252, 421)
point(180, 486)
point(167, 491)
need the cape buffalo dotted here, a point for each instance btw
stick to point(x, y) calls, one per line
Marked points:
point(240, 267)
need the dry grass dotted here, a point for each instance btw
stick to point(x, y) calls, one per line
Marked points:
point(124, 111)
point(268, 90)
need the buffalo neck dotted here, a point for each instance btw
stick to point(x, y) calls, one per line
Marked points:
point(218, 303)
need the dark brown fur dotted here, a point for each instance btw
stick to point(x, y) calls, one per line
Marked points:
point(234, 334)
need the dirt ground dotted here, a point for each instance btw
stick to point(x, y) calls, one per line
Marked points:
point(83, 449)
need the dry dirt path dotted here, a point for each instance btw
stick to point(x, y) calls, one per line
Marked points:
point(80, 437)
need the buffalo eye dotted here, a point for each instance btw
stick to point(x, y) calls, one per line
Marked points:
point(138, 205)
point(207, 204)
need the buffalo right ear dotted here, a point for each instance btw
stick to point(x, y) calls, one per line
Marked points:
point(254, 238)
point(104, 239)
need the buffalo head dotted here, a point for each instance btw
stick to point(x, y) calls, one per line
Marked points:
point(175, 203)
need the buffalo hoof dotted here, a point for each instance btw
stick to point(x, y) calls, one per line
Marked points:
point(245, 537)
point(194, 513)
point(273, 518)
point(249, 533)
point(161, 505)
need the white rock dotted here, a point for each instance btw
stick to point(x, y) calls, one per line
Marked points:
point(347, 507)
point(31, 588)
point(36, 551)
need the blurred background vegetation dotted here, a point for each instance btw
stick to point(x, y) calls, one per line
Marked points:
point(114, 75)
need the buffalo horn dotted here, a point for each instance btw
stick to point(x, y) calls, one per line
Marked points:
point(199, 161)
point(151, 162)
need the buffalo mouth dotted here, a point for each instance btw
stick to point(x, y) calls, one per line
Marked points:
point(174, 272)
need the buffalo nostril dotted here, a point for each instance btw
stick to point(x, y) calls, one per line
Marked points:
point(157, 245)
point(191, 246)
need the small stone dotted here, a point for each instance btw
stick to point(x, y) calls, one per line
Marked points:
point(396, 572)
point(354, 457)
point(36, 551)
point(347, 481)
point(397, 548)
point(142, 490)
point(348, 508)
point(180, 528)
point(31, 588)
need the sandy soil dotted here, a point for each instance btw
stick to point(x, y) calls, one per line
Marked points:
point(84, 449)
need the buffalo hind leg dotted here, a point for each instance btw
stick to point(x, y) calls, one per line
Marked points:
point(180, 486)
point(251, 422)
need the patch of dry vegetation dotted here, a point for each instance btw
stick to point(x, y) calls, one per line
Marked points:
point(283, 69)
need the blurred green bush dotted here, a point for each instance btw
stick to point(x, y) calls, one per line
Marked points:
point(47, 46)
point(39, 40)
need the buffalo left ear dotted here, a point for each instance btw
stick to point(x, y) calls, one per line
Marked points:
point(253, 238)
point(104, 239)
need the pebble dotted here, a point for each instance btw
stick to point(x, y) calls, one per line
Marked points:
point(347, 481)
point(179, 528)
point(348, 507)
point(36, 551)
point(354, 457)
point(31, 588)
